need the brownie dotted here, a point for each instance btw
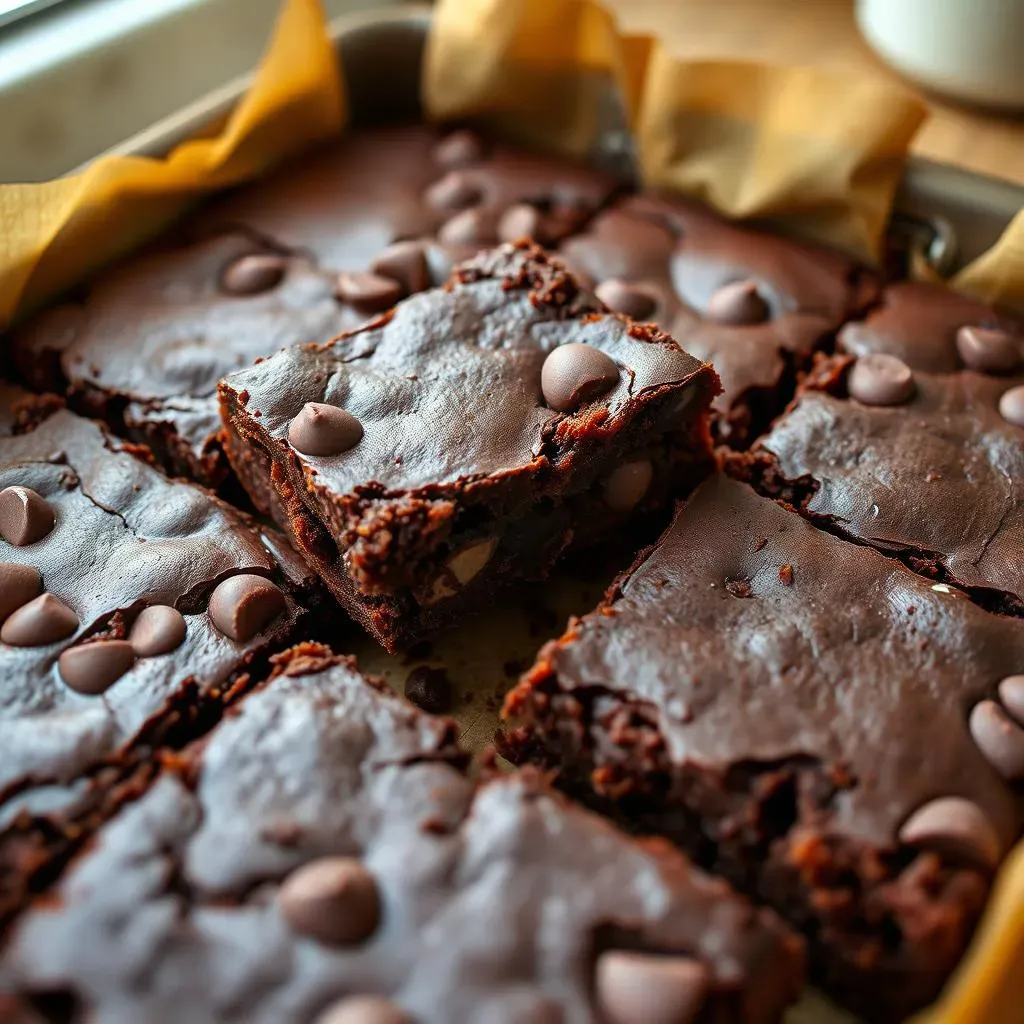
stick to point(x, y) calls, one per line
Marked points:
point(466, 439)
point(836, 735)
point(754, 304)
point(912, 441)
point(131, 608)
point(298, 257)
point(322, 856)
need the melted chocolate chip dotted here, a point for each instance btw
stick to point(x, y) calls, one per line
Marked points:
point(44, 620)
point(999, 738)
point(18, 585)
point(369, 293)
point(243, 605)
point(880, 379)
point(333, 900)
point(458, 149)
point(471, 227)
point(636, 987)
point(250, 275)
point(627, 485)
point(957, 828)
point(92, 668)
point(158, 629)
point(406, 263)
point(520, 221)
point(1011, 406)
point(1011, 693)
point(455, 191)
point(738, 303)
point(429, 689)
point(625, 298)
point(25, 517)
point(576, 373)
point(324, 430)
point(987, 349)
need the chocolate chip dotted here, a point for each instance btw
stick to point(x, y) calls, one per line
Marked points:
point(1011, 693)
point(157, 629)
point(92, 668)
point(364, 1010)
point(987, 349)
point(406, 263)
point(880, 379)
point(786, 575)
point(333, 900)
point(250, 275)
point(625, 487)
point(1011, 406)
point(44, 620)
point(25, 517)
point(999, 738)
point(18, 585)
point(243, 605)
point(321, 429)
point(520, 221)
point(430, 689)
point(471, 227)
point(641, 988)
point(369, 293)
point(576, 373)
point(460, 148)
point(455, 191)
point(957, 828)
point(738, 303)
point(623, 297)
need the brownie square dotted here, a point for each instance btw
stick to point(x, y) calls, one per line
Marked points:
point(835, 734)
point(333, 238)
point(131, 609)
point(466, 439)
point(322, 856)
point(912, 441)
point(756, 305)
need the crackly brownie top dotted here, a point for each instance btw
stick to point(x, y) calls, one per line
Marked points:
point(755, 638)
point(729, 294)
point(502, 371)
point(116, 585)
point(296, 258)
point(324, 848)
point(926, 462)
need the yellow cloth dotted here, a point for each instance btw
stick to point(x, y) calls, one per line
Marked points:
point(52, 234)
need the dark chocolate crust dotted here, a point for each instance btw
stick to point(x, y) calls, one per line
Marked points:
point(496, 897)
point(459, 451)
point(678, 254)
point(781, 702)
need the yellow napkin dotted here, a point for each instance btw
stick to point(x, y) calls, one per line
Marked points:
point(998, 276)
point(55, 232)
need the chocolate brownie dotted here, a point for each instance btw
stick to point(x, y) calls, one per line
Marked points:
point(321, 856)
point(755, 305)
point(833, 733)
point(466, 439)
point(913, 441)
point(314, 250)
point(131, 606)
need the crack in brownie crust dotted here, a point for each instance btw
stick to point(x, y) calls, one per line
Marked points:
point(813, 734)
point(459, 475)
point(323, 846)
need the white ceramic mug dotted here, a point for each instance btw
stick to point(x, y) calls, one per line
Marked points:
point(972, 50)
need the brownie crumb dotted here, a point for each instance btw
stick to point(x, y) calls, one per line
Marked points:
point(739, 586)
point(786, 575)
point(761, 542)
point(429, 689)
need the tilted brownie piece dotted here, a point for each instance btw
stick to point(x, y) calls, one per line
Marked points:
point(130, 607)
point(916, 446)
point(831, 732)
point(755, 305)
point(296, 258)
point(466, 439)
point(321, 856)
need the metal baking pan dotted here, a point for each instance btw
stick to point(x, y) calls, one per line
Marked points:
point(947, 215)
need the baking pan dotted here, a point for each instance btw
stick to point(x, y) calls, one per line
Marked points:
point(945, 215)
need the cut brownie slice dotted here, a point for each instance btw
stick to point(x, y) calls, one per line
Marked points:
point(296, 258)
point(467, 439)
point(322, 856)
point(755, 305)
point(131, 606)
point(833, 733)
point(916, 446)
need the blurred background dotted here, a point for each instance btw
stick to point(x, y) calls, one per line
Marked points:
point(78, 76)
